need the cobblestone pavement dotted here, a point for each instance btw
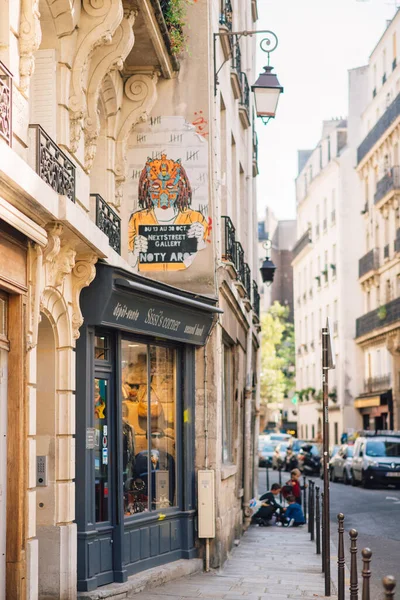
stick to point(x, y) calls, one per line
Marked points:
point(270, 563)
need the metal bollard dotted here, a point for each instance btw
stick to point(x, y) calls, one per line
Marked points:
point(353, 565)
point(317, 520)
point(280, 483)
point(313, 513)
point(323, 533)
point(311, 510)
point(305, 498)
point(267, 477)
point(341, 561)
point(389, 585)
point(309, 506)
point(366, 573)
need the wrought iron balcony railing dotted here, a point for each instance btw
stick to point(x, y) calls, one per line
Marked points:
point(369, 262)
point(237, 60)
point(378, 318)
point(255, 151)
point(229, 248)
point(5, 104)
point(239, 261)
point(377, 384)
point(225, 17)
point(247, 279)
point(389, 182)
point(302, 243)
point(388, 117)
point(108, 222)
point(245, 97)
point(52, 165)
point(397, 241)
point(256, 299)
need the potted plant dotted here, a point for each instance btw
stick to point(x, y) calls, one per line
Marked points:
point(382, 313)
point(333, 395)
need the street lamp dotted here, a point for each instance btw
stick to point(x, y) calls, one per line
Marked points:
point(267, 88)
point(268, 268)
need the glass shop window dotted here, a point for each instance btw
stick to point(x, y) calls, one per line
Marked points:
point(148, 427)
point(227, 404)
point(102, 348)
point(101, 425)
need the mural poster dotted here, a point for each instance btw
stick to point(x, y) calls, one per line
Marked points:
point(167, 231)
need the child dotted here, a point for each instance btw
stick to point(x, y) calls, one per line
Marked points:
point(294, 515)
point(269, 506)
point(295, 483)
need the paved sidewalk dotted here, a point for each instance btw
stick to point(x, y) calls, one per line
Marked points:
point(271, 563)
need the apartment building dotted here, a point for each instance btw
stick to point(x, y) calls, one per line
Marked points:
point(378, 160)
point(129, 326)
point(323, 280)
point(282, 235)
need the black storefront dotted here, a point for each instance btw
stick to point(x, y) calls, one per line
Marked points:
point(135, 429)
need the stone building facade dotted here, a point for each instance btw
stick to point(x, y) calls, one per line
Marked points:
point(101, 125)
point(377, 327)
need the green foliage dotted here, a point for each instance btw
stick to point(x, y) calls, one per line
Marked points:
point(277, 354)
point(175, 19)
point(382, 313)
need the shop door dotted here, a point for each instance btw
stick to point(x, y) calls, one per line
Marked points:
point(3, 468)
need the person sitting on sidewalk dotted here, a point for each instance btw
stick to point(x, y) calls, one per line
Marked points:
point(294, 516)
point(293, 486)
point(269, 506)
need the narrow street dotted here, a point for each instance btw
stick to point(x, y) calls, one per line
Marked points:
point(374, 513)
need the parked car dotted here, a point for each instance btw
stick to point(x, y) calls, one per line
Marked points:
point(340, 464)
point(296, 445)
point(280, 437)
point(332, 453)
point(265, 452)
point(376, 459)
point(278, 457)
point(309, 459)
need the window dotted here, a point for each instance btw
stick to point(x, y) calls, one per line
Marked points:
point(317, 221)
point(227, 404)
point(333, 213)
point(329, 149)
point(325, 222)
point(148, 415)
point(388, 290)
point(306, 432)
point(368, 307)
point(102, 348)
point(100, 452)
point(336, 433)
point(312, 431)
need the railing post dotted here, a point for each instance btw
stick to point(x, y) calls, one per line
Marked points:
point(309, 506)
point(318, 520)
point(366, 573)
point(353, 565)
point(267, 477)
point(312, 518)
point(280, 482)
point(323, 533)
point(305, 498)
point(389, 585)
point(340, 561)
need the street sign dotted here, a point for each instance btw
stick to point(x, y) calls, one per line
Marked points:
point(331, 346)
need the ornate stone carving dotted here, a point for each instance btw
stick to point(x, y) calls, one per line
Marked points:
point(65, 14)
point(103, 61)
point(393, 343)
point(139, 99)
point(30, 36)
point(82, 275)
point(54, 231)
point(64, 264)
point(98, 23)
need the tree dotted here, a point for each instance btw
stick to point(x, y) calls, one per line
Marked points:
point(277, 354)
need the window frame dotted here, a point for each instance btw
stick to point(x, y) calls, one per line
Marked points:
point(229, 459)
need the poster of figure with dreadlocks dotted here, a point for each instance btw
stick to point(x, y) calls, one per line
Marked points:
point(165, 234)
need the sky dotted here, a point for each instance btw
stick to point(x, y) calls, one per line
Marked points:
point(319, 40)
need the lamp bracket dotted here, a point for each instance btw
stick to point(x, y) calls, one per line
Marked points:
point(268, 45)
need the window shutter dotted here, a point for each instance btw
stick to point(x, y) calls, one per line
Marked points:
point(44, 92)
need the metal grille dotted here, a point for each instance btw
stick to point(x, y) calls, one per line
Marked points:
point(256, 299)
point(108, 222)
point(380, 317)
point(245, 97)
point(53, 166)
point(237, 59)
point(369, 262)
point(225, 17)
point(388, 117)
point(247, 279)
point(239, 261)
point(302, 243)
point(391, 181)
point(229, 241)
point(5, 104)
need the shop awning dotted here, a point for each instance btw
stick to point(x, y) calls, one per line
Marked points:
point(367, 402)
point(129, 302)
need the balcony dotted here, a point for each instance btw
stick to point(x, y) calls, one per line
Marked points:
point(304, 242)
point(5, 104)
point(256, 299)
point(333, 217)
point(255, 152)
point(225, 26)
point(108, 222)
point(389, 183)
point(397, 241)
point(378, 318)
point(229, 241)
point(244, 102)
point(52, 165)
point(239, 261)
point(377, 384)
point(368, 263)
point(386, 120)
point(247, 280)
point(236, 71)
